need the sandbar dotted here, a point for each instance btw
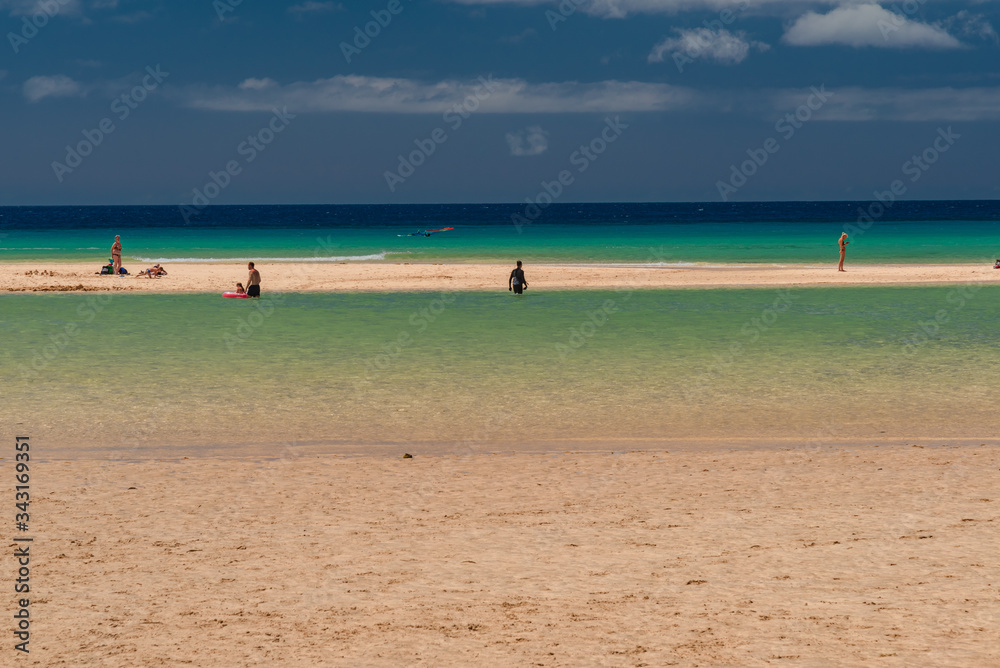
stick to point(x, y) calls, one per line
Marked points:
point(392, 277)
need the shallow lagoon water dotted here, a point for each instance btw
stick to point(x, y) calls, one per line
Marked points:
point(474, 371)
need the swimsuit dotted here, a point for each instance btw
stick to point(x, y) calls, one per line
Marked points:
point(517, 280)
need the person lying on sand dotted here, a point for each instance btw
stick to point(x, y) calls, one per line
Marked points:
point(153, 272)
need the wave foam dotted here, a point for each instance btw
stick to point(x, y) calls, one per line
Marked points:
point(331, 258)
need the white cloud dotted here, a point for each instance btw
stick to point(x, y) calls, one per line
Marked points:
point(867, 25)
point(313, 7)
point(721, 46)
point(257, 84)
point(407, 96)
point(532, 140)
point(60, 85)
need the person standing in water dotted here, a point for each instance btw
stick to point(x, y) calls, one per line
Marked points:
point(116, 254)
point(843, 250)
point(253, 282)
point(516, 281)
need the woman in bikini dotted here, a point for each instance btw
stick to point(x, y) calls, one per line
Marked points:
point(843, 250)
point(116, 254)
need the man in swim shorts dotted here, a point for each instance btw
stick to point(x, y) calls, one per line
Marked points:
point(253, 282)
point(116, 254)
point(516, 281)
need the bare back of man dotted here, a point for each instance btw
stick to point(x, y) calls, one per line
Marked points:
point(253, 282)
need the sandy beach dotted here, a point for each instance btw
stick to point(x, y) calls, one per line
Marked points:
point(871, 547)
point(801, 557)
point(371, 276)
point(743, 414)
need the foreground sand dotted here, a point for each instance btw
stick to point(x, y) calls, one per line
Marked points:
point(811, 557)
point(360, 276)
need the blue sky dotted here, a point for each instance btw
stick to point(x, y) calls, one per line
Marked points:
point(229, 102)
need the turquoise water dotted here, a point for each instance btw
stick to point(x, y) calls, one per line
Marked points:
point(486, 370)
point(706, 242)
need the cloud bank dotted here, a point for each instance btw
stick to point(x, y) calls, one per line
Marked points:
point(407, 96)
point(515, 96)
